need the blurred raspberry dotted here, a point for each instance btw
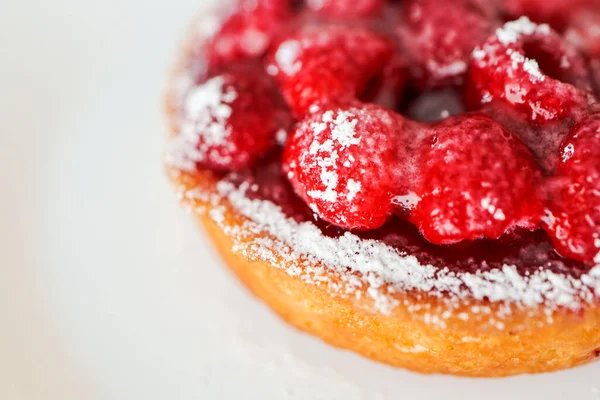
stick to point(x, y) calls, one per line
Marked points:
point(231, 119)
point(438, 37)
point(248, 31)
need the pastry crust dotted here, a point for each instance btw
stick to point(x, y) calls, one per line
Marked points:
point(421, 332)
point(465, 344)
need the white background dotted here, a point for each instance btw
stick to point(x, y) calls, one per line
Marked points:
point(107, 289)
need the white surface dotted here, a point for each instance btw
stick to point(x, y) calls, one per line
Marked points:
point(107, 289)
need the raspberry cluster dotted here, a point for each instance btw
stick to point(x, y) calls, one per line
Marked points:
point(339, 79)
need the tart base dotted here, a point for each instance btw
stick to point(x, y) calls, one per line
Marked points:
point(528, 341)
point(422, 333)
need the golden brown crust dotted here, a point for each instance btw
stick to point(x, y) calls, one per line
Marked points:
point(527, 342)
point(465, 342)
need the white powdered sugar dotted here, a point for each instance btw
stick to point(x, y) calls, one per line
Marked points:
point(451, 69)
point(513, 30)
point(286, 57)
point(204, 124)
point(363, 264)
point(493, 52)
point(326, 153)
point(315, 4)
point(529, 65)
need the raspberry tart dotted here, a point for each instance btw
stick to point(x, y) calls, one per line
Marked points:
point(415, 181)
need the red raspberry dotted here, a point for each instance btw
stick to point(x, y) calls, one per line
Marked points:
point(346, 8)
point(438, 37)
point(584, 32)
point(594, 66)
point(543, 140)
point(248, 32)
point(320, 64)
point(344, 163)
point(232, 119)
point(505, 68)
point(554, 12)
point(478, 181)
point(573, 211)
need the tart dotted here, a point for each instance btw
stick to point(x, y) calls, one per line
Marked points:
point(415, 181)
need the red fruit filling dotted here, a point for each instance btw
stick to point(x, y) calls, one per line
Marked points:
point(573, 210)
point(233, 118)
point(319, 64)
point(481, 184)
point(478, 180)
point(532, 69)
point(438, 37)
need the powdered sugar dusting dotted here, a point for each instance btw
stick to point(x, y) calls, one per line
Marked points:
point(287, 55)
point(343, 136)
point(369, 265)
point(513, 30)
point(204, 125)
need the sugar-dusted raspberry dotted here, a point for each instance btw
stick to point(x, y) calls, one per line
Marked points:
point(438, 37)
point(346, 8)
point(231, 119)
point(318, 64)
point(531, 68)
point(478, 181)
point(573, 209)
point(248, 31)
point(344, 162)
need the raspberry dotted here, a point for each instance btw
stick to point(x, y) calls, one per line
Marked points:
point(478, 181)
point(320, 64)
point(232, 119)
point(584, 32)
point(438, 37)
point(543, 140)
point(248, 32)
point(343, 163)
point(594, 66)
point(346, 8)
point(553, 12)
point(573, 210)
point(505, 68)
